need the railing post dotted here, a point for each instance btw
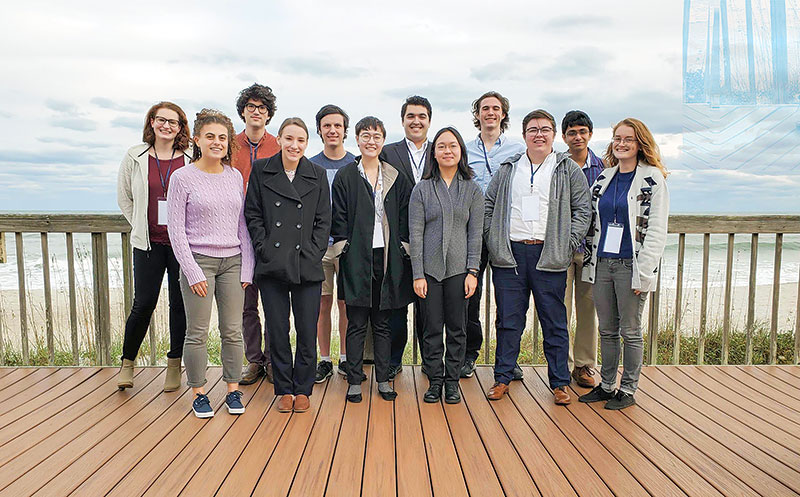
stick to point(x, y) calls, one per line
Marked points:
point(751, 299)
point(73, 300)
point(48, 300)
point(102, 307)
point(797, 326)
point(726, 318)
point(776, 294)
point(23, 305)
point(127, 272)
point(652, 322)
point(676, 340)
point(701, 338)
point(2, 248)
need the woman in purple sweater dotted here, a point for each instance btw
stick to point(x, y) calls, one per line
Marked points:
point(210, 240)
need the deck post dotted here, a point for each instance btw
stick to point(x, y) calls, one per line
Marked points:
point(102, 308)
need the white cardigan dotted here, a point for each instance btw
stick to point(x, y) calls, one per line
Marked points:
point(133, 192)
point(648, 214)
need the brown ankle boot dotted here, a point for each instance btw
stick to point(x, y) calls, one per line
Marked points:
point(172, 381)
point(125, 377)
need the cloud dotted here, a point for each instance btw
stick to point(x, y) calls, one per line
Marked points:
point(6, 115)
point(247, 76)
point(320, 66)
point(12, 157)
point(127, 122)
point(449, 97)
point(130, 106)
point(61, 106)
point(74, 123)
point(73, 143)
point(571, 22)
point(576, 62)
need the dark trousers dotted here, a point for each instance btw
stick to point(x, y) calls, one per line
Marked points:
point(357, 318)
point(398, 322)
point(251, 329)
point(474, 329)
point(444, 307)
point(513, 288)
point(291, 376)
point(148, 273)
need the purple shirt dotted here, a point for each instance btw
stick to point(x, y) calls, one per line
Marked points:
point(206, 216)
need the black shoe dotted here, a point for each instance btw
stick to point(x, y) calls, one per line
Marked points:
point(391, 395)
point(342, 368)
point(451, 393)
point(324, 370)
point(468, 369)
point(433, 394)
point(516, 373)
point(354, 398)
point(394, 371)
point(620, 401)
point(596, 395)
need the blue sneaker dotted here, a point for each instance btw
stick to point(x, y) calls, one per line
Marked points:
point(233, 401)
point(202, 407)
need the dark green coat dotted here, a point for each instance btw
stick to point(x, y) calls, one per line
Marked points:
point(352, 226)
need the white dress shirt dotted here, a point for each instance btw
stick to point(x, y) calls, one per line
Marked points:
point(417, 158)
point(524, 227)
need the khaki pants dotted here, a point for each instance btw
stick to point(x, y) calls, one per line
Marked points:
point(583, 349)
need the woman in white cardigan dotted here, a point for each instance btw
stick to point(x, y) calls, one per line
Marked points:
point(630, 209)
point(142, 185)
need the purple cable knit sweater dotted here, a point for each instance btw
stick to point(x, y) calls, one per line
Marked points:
point(206, 216)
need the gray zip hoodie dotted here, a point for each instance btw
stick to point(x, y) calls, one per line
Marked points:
point(568, 216)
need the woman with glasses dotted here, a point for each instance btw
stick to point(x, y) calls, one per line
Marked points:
point(288, 214)
point(445, 217)
point(142, 185)
point(630, 209)
point(370, 236)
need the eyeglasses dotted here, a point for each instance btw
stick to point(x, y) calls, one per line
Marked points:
point(628, 140)
point(173, 123)
point(367, 137)
point(535, 131)
point(262, 109)
point(573, 133)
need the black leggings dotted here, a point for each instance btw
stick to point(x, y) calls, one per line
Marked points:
point(148, 273)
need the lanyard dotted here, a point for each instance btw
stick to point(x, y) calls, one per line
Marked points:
point(485, 157)
point(421, 159)
point(533, 173)
point(253, 150)
point(164, 180)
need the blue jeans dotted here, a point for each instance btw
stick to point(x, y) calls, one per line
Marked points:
point(513, 289)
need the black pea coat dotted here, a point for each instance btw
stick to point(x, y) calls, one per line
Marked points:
point(352, 228)
point(289, 221)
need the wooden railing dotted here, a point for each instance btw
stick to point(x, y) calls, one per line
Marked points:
point(101, 225)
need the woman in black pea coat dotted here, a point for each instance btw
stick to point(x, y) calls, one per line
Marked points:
point(374, 268)
point(288, 214)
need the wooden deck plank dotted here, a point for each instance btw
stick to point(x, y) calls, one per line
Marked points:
point(78, 376)
point(6, 370)
point(792, 370)
point(152, 459)
point(213, 471)
point(616, 476)
point(447, 477)
point(509, 466)
point(277, 477)
point(14, 376)
point(315, 466)
point(738, 407)
point(731, 387)
point(765, 388)
point(59, 450)
point(724, 419)
point(543, 469)
point(380, 470)
point(118, 450)
point(776, 381)
point(683, 475)
point(25, 384)
point(347, 467)
point(413, 477)
point(748, 462)
point(180, 471)
point(638, 465)
point(33, 391)
point(243, 477)
point(783, 373)
point(47, 437)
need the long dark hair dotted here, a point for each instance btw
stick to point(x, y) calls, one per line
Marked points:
point(432, 165)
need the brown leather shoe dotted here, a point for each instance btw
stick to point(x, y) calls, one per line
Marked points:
point(251, 373)
point(285, 403)
point(561, 396)
point(497, 391)
point(301, 403)
point(268, 372)
point(583, 376)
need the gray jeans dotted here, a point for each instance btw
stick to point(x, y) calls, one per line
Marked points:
point(223, 275)
point(619, 314)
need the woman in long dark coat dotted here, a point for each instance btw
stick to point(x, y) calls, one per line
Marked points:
point(370, 232)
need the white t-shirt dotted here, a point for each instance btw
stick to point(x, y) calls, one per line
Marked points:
point(526, 224)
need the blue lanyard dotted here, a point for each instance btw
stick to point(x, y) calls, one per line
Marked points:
point(164, 180)
point(533, 173)
point(253, 150)
point(421, 159)
point(485, 157)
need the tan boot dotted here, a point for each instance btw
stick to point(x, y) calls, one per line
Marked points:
point(173, 380)
point(125, 377)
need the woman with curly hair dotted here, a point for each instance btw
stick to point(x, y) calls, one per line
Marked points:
point(142, 185)
point(628, 231)
point(209, 235)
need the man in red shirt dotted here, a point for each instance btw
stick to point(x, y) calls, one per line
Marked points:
point(256, 106)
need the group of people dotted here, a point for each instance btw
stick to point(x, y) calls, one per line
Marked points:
point(413, 222)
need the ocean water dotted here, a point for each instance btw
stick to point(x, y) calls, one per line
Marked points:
point(790, 266)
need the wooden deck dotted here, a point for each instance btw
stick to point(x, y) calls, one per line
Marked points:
point(704, 431)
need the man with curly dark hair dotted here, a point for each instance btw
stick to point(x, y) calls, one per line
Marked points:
point(256, 107)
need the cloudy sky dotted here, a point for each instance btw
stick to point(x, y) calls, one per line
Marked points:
point(79, 77)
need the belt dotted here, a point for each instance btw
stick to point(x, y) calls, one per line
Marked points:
point(533, 241)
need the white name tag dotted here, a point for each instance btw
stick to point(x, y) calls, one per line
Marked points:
point(162, 212)
point(530, 207)
point(613, 238)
